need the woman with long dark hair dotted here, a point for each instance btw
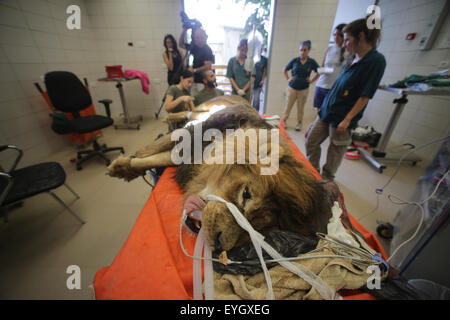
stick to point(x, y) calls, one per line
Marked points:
point(178, 98)
point(334, 60)
point(173, 59)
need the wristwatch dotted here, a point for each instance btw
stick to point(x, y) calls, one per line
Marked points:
point(195, 70)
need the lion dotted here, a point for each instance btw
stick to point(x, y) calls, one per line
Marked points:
point(290, 199)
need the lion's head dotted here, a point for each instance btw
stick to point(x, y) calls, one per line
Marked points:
point(288, 200)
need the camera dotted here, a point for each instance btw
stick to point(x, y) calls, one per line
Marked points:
point(189, 23)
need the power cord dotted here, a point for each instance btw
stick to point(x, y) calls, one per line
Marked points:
point(418, 204)
point(379, 191)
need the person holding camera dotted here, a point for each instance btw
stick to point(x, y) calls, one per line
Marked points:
point(239, 77)
point(202, 53)
point(173, 58)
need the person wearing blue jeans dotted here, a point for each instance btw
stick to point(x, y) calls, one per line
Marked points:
point(334, 60)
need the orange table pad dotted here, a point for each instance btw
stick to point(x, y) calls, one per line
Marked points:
point(151, 264)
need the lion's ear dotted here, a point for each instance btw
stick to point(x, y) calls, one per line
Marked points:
point(267, 150)
point(269, 158)
point(242, 122)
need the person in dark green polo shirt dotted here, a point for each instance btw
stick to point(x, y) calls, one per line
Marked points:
point(298, 88)
point(344, 105)
point(239, 77)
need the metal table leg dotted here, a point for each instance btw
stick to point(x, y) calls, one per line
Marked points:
point(379, 154)
point(126, 122)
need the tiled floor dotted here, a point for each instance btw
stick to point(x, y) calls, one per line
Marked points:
point(42, 239)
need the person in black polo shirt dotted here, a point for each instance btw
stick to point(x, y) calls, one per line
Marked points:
point(299, 82)
point(202, 53)
point(348, 97)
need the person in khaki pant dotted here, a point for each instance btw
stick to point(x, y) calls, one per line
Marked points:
point(339, 141)
point(292, 96)
point(347, 99)
point(299, 81)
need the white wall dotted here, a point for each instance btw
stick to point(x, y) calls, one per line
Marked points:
point(294, 22)
point(117, 22)
point(424, 118)
point(34, 39)
point(350, 10)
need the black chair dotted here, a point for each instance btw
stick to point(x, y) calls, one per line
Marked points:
point(68, 94)
point(17, 185)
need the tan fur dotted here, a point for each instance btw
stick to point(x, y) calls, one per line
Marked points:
point(205, 107)
point(292, 184)
point(288, 200)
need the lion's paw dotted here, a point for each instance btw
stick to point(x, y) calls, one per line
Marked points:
point(120, 168)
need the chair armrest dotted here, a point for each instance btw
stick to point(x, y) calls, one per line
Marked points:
point(5, 191)
point(106, 103)
point(19, 156)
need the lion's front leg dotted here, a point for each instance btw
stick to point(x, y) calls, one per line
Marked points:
point(160, 145)
point(176, 117)
point(121, 168)
point(130, 168)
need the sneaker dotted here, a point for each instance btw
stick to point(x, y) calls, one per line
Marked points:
point(298, 127)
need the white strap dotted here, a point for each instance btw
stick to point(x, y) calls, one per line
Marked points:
point(321, 286)
point(209, 275)
point(197, 266)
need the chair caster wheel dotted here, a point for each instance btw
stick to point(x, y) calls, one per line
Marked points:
point(385, 230)
point(79, 168)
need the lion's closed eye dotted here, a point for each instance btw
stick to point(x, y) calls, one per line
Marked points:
point(246, 195)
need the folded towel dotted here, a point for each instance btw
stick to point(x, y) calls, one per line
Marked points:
point(141, 75)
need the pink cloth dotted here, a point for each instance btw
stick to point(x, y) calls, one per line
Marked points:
point(141, 75)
